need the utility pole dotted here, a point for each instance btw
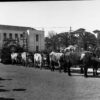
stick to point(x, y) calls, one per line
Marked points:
point(27, 45)
point(70, 29)
point(24, 40)
point(70, 34)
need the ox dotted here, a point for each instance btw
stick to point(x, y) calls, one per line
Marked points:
point(38, 60)
point(26, 59)
point(70, 48)
point(14, 57)
point(91, 61)
point(56, 59)
point(73, 59)
point(86, 59)
point(45, 60)
point(23, 60)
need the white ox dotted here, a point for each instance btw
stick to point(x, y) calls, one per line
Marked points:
point(38, 60)
point(26, 60)
point(70, 48)
point(14, 57)
point(56, 57)
point(23, 55)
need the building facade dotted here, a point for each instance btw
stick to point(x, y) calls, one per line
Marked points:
point(26, 36)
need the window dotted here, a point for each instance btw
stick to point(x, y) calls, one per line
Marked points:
point(24, 34)
point(10, 35)
point(37, 48)
point(21, 35)
point(37, 37)
point(5, 35)
point(16, 35)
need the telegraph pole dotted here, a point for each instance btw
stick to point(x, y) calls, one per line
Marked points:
point(70, 29)
point(27, 45)
point(70, 34)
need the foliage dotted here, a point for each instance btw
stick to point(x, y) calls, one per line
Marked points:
point(97, 32)
point(57, 41)
point(79, 37)
point(85, 38)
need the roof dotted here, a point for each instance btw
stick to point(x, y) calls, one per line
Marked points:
point(19, 28)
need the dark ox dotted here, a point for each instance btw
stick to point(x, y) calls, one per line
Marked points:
point(84, 59)
point(91, 61)
point(45, 60)
point(74, 59)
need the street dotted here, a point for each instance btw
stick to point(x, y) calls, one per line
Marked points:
point(23, 83)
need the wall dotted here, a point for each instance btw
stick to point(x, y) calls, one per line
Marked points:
point(9, 31)
point(31, 38)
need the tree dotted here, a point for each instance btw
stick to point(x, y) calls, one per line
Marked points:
point(73, 39)
point(79, 33)
point(51, 41)
point(51, 34)
point(64, 39)
point(85, 38)
point(56, 41)
point(80, 37)
point(89, 39)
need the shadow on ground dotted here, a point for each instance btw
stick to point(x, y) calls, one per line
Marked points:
point(21, 89)
point(2, 98)
point(89, 74)
point(2, 86)
point(2, 79)
point(4, 90)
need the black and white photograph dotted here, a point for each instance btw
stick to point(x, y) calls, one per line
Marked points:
point(50, 50)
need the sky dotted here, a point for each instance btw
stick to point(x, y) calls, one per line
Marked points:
point(55, 16)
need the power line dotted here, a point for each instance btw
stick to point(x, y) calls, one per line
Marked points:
point(51, 27)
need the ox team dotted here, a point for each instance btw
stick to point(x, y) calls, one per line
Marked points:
point(63, 60)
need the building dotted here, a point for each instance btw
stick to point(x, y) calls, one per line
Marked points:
point(35, 38)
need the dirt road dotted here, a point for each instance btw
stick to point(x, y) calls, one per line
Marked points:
point(20, 83)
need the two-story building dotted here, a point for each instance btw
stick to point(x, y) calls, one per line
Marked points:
point(35, 38)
